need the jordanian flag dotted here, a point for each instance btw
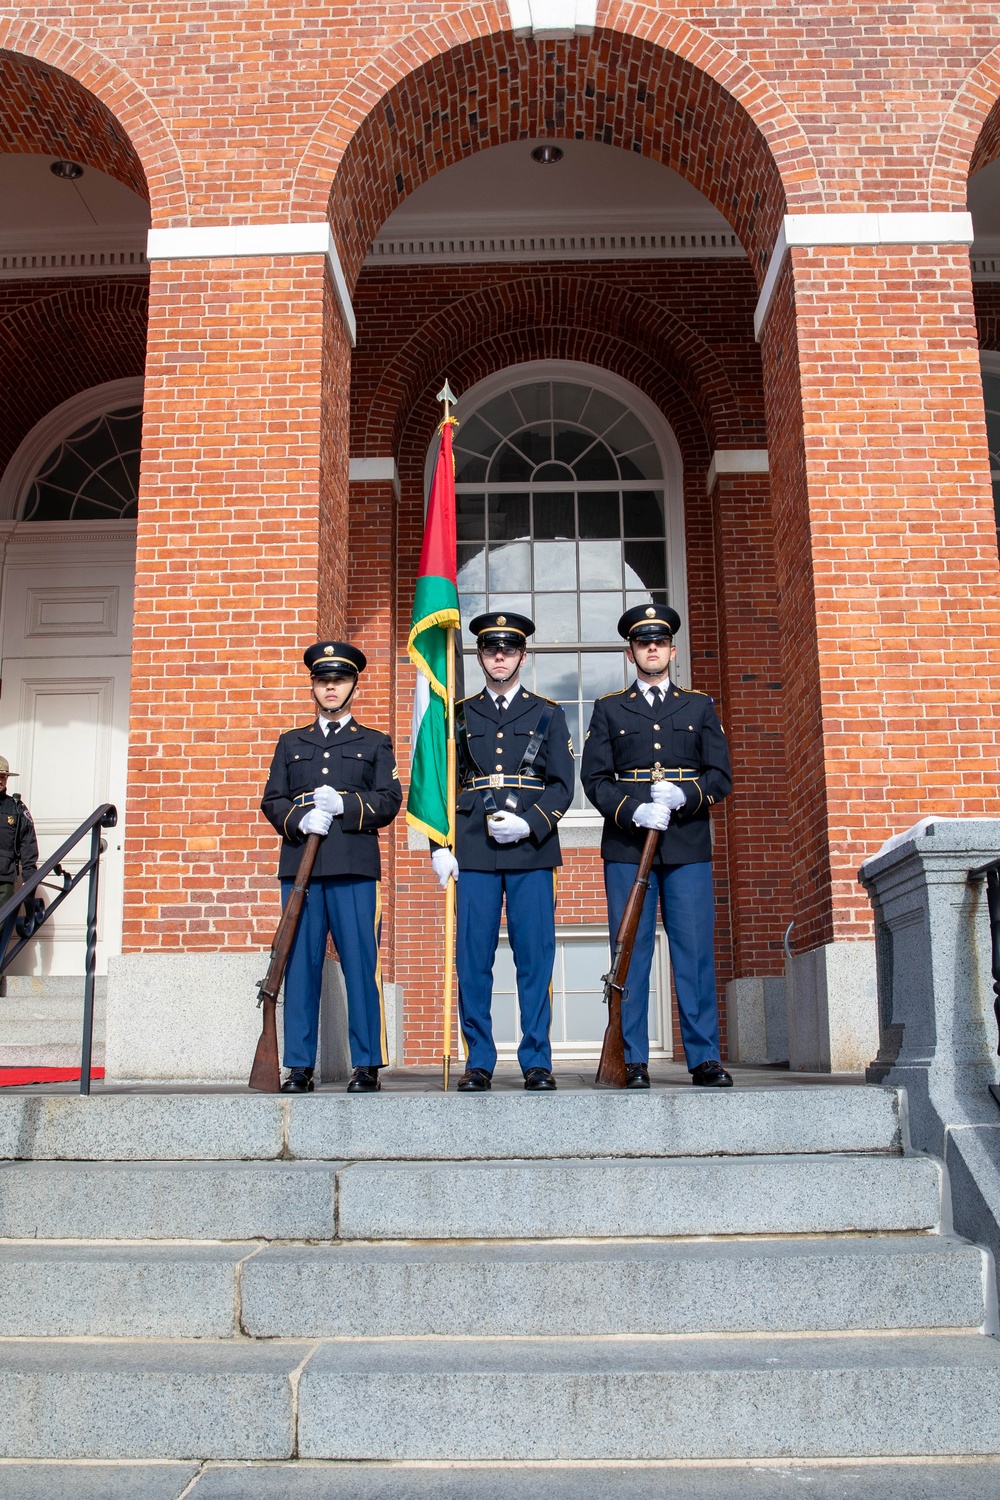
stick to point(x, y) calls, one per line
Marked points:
point(435, 611)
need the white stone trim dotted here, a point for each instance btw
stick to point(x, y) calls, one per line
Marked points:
point(736, 461)
point(810, 231)
point(57, 424)
point(375, 471)
point(552, 19)
point(225, 241)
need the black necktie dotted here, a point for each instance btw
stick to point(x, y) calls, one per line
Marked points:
point(501, 706)
point(656, 697)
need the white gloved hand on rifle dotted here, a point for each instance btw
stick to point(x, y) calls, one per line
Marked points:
point(328, 800)
point(316, 821)
point(668, 794)
point(508, 828)
point(652, 815)
point(445, 866)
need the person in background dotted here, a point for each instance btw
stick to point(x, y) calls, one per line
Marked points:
point(18, 843)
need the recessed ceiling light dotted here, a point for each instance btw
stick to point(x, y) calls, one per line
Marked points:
point(68, 170)
point(547, 155)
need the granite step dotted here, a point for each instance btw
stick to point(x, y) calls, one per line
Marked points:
point(443, 1400)
point(685, 1398)
point(659, 1197)
point(350, 1291)
point(238, 1126)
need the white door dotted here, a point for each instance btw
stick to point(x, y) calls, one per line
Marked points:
point(64, 709)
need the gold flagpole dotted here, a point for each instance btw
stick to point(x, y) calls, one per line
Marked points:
point(445, 395)
point(450, 892)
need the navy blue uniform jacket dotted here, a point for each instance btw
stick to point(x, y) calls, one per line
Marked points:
point(494, 742)
point(625, 734)
point(360, 764)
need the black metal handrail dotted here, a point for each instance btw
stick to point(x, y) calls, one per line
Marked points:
point(105, 816)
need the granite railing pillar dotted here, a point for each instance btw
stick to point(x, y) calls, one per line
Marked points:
point(937, 1030)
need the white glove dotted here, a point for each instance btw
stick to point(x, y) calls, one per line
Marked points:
point(652, 815)
point(508, 828)
point(316, 821)
point(668, 794)
point(445, 866)
point(327, 799)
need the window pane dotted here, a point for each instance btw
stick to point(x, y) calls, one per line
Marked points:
point(91, 475)
point(469, 468)
point(508, 517)
point(535, 401)
point(471, 519)
point(601, 411)
point(585, 961)
point(476, 437)
point(599, 616)
point(586, 1017)
point(535, 443)
point(502, 413)
point(508, 466)
point(553, 474)
point(557, 674)
point(641, 463)
point(555, 565)
point(601, 565)
point(627, 433)
point(504, 1013)
point(596, 463)
point(645, 563)
point(572, 712)
point(555, 617)
point(643, 512)
point(568, 401)
point(599, 513)
point(472, 568)
point(515, 604)
point(470, 605)
point(553, 515)
point(510, 567)
point(570, 443)
point(603, 672)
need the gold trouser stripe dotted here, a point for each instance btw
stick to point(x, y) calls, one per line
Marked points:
point(383, 1033)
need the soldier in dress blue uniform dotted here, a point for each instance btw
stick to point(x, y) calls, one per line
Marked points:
point(515, 781)
point(655, 723)
point(336, 778)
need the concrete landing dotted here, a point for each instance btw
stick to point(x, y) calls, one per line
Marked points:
point(948, 1479)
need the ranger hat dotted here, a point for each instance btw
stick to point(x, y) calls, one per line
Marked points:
point(501, 628)
point(5, 769)
point(334, 659)
point(648, 622)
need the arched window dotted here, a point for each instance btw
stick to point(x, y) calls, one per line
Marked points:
point(568, 511)
point(91, 475)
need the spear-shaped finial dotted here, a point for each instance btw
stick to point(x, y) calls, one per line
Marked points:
point(447, 395)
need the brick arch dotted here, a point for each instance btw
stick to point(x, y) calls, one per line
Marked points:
point(85, 104)
point(620, 89)
point(547, 309)
point(82, 335)
point(969, 138)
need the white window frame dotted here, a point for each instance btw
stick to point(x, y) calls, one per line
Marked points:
point(586, 1052)
point(577, 372)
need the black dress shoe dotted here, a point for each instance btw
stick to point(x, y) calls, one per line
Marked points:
point(475, 1081)
point(539, 1081)
point(364, 1081)
point(711, 1075)
point(299, 1081)
point(636, 1076)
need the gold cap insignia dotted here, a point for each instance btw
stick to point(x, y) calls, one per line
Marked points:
point(651, 613)
point(327, 650)
point(501, 619)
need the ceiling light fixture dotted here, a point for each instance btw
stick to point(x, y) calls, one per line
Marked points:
point(69, 171)
point(547, 155)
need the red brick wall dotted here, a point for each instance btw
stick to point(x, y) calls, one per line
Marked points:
point(62, 337)
point(237, 488)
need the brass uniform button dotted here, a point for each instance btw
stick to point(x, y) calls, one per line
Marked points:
point(499, 734)
point(326, 770)
point(656, 726)
point(656, 745)
point(499, 767)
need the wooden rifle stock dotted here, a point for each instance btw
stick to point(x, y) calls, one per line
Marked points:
point(265, 1075)
point(611, 1068)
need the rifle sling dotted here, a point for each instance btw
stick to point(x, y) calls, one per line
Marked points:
point(528, 759)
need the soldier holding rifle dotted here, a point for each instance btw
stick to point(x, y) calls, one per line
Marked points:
point(336, 779)
point(654, 723)
point(515, 781)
